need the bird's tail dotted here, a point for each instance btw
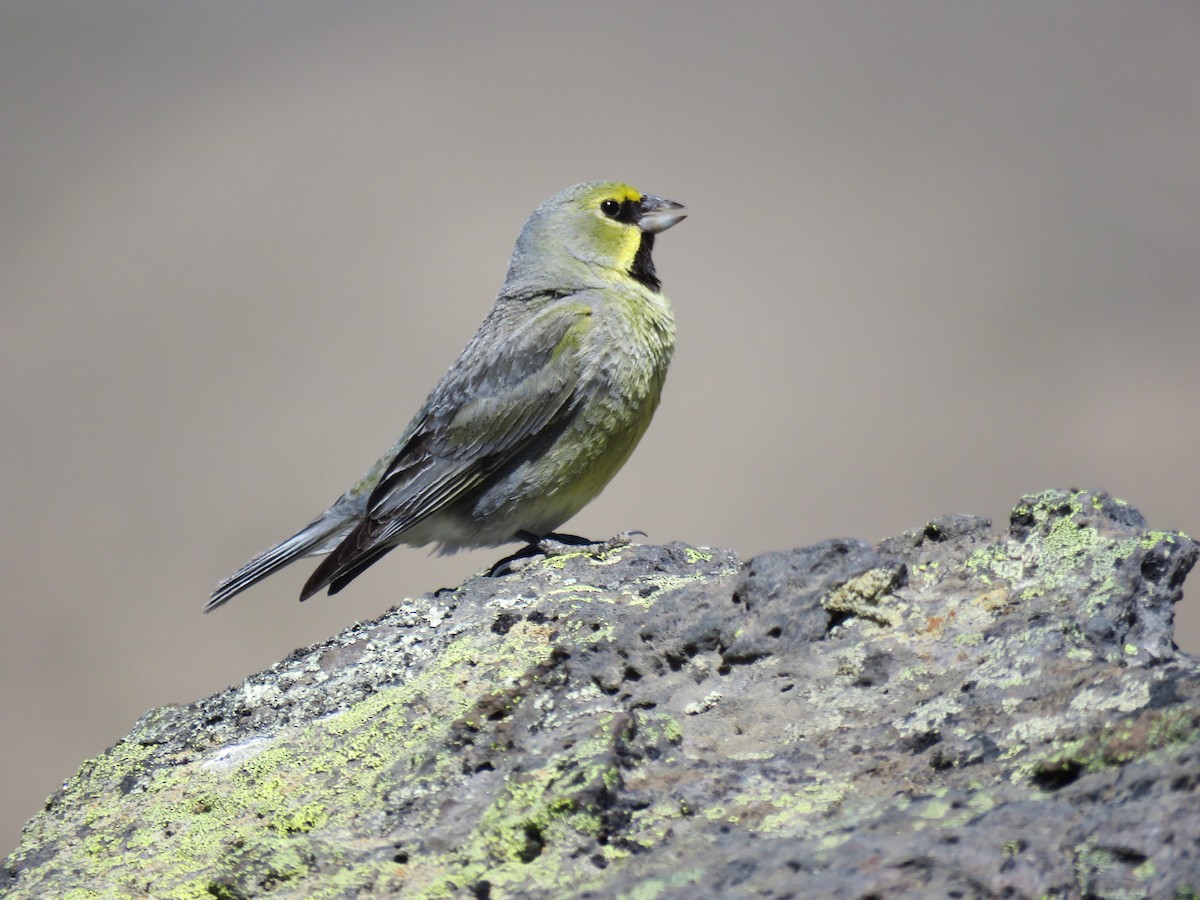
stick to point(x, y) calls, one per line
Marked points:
point(321, 536)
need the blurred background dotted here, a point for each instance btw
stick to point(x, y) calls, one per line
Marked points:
point(939, 255)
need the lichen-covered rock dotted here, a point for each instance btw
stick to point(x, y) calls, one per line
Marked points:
point(951, 713)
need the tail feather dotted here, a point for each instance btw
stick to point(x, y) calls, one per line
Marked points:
point(337, 571)
point(319, 537)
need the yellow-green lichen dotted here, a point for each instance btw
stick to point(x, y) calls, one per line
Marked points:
point(1116, 743)
point(864, 596)
point(246, 812)
point(672, 730)
point(544, 817)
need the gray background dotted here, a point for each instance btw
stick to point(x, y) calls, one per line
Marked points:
point(940, 254)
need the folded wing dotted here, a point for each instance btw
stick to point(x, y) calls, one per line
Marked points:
point(495, 400)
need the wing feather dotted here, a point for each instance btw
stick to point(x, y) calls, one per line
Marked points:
point(515, 380)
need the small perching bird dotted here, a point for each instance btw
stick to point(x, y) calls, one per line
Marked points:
point(540, 411)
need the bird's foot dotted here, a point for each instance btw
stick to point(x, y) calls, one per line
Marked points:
point(561, 544)
point(552, 545)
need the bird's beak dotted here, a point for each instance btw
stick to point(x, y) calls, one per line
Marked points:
point(656, 214)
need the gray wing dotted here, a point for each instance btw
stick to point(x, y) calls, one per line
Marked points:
point(514, 380)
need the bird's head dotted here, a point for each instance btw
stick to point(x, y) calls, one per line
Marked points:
point(602, 224)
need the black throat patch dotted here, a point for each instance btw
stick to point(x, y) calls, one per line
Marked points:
point(642, 270)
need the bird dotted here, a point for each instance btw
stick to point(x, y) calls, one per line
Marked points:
point(538, 413)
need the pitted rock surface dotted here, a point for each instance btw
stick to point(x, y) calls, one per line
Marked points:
point(950, 713)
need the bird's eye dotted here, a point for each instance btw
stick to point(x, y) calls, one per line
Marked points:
point(610, 208)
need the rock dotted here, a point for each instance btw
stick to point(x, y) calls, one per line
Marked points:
point(951, 713)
